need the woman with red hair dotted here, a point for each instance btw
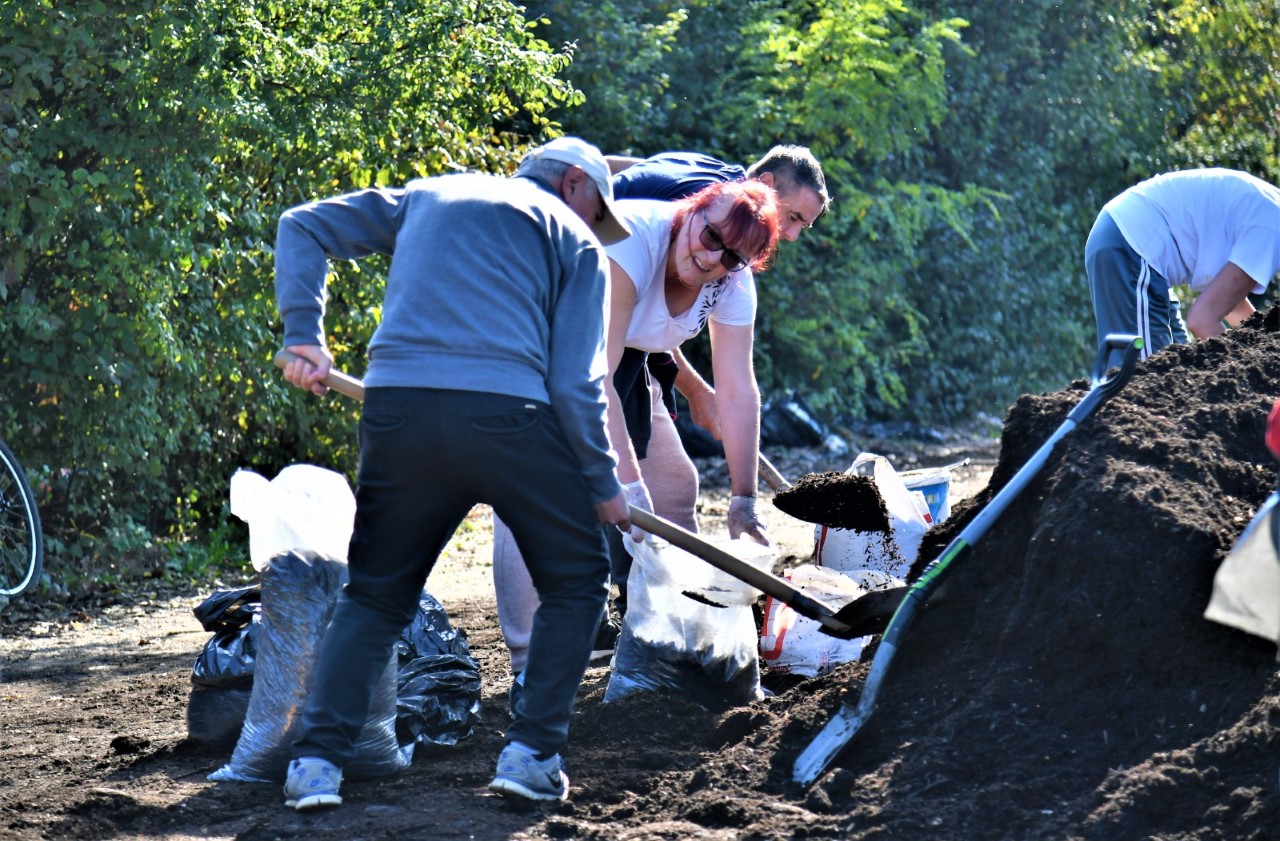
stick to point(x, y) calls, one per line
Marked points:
point(687, 264)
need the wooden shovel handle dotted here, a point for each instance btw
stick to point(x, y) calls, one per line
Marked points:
point(725, 562)
point(338, 381)
point(772, 477)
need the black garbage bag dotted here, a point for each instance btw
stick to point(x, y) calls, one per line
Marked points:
point(438, 682)
point(215, 717)
point(299, 592)
point(789, 422)
point(222, 678)
point(229, 610)
point(227, 659)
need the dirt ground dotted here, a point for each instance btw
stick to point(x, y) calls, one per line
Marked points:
point(1063, 684)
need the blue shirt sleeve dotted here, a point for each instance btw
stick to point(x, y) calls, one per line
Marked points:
point(673, 175)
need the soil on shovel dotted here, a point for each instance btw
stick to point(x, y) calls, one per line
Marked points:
point(1067, 687)
point(839, 500)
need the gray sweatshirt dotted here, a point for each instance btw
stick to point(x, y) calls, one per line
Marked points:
point(495, 286)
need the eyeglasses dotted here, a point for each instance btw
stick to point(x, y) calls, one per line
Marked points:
point(712, 241)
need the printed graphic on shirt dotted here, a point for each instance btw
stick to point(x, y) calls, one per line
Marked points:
point(708, 302)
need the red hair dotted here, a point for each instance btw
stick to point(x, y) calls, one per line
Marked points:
point(752, 223)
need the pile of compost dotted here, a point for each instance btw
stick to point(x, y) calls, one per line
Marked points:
point(839, 500)
point(1066, 683)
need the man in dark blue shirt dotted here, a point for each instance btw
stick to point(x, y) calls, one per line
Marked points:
point(792, 171)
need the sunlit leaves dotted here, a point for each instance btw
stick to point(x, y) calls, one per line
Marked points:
point(146, 152)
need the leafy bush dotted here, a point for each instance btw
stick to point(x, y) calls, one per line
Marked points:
point(968, 146)
point(146, 151)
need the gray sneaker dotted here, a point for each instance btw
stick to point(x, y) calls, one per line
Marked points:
point(520, 772)
point(312, 783)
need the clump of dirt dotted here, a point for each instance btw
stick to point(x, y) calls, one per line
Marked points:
point(1068, 683)
point(839, 500)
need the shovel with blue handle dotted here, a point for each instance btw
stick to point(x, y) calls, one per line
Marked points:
point(816, 759)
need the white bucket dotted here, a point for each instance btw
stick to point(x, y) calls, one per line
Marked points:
point(934, 483)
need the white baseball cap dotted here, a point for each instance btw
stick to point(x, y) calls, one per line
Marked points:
point(578, 152)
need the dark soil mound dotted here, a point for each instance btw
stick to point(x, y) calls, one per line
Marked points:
point(1063, 684)
point(1067, 685)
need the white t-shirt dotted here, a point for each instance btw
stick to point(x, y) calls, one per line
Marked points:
point(1190, 224)
point(643, 256)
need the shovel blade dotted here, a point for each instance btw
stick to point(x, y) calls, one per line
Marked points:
point(816, 759)
point(868, 614)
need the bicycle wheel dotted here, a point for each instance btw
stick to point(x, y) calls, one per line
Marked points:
point(21, 541)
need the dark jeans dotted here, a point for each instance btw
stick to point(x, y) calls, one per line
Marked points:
point(426, 457)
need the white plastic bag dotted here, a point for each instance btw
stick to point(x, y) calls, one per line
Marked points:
point(304, 508)
point(793, 644)
point(891, 553)
point(299, 593)
point(684, 645)
point(1246, 588)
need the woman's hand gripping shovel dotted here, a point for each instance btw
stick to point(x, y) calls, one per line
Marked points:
point(816, 759)
point(771, 585)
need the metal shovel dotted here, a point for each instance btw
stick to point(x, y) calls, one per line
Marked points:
point(816, 759)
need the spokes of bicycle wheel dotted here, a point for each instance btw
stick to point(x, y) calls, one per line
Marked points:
point(20, 539)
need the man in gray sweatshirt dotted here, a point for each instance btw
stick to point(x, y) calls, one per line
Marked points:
point(485, 384)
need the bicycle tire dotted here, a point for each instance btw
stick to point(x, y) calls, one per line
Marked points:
point(21, 540)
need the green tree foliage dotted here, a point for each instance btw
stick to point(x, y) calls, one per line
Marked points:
point(625, 53)
point(146, 151)
point(148, 148)
point(1048, 109)
point(968, 145)
point(858, 82)
point(861, 84)
point(1219, 72)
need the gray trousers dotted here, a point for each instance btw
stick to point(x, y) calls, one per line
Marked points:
point(426, 458)
point(1128, 295)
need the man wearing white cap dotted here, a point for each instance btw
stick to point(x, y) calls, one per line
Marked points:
point(485, 384)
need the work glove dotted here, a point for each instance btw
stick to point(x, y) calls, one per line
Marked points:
point(1273, 430)
point(743, 520)
point(638, 495)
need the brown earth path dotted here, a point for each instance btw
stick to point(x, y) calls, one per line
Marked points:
point(93, 702)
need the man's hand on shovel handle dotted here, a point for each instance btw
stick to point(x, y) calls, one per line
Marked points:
point(310, 367)
point(335, 380)
point(615, 512)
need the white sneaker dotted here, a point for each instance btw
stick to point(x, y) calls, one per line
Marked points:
point(522, 773)
point(312, 783)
